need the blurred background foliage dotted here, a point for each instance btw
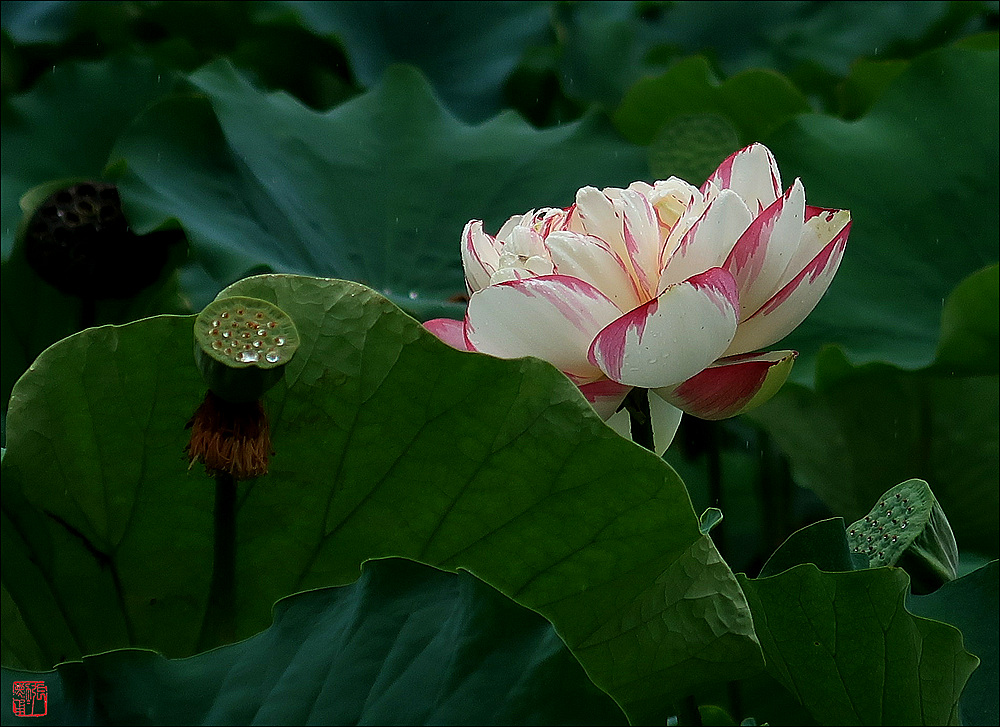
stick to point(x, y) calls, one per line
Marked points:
point(354, 140)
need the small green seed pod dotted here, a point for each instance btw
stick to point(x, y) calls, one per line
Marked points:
point(242, 345)
point(907, 527)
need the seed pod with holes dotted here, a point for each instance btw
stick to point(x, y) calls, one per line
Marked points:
point(907, 527)
point(76, 237)
point(242, 345)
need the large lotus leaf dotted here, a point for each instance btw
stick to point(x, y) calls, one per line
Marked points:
point(844, 644)
point(923, 199)
point(406, 644)
point(376, 190)
point(863, 428)
point(466, 49)
point(388, 442)
point(970, 604)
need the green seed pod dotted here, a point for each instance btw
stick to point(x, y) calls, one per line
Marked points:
point(242, 345)
point(907, 527)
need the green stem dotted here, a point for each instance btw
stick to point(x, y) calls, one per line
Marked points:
point(637, 404)
point(219, 626)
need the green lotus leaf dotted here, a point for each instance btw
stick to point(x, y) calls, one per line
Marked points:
point(970, 603)
point(465, 49)
point(376, 190)
point(844, 645)
point(387, 443)
point(406, 644)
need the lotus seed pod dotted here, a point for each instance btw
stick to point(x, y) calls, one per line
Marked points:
point(908, 527)
point(76, 237)
point(242, 345)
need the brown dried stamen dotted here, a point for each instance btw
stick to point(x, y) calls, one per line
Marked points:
point(230, 438)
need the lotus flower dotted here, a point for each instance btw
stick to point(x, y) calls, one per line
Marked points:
point(665, 286)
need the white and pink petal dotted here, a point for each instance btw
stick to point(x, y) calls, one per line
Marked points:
point(591, 259)
point(731, 385)
point(752, 173)
point(708, 241)
point(820, 228)
point(450, 331)
point(480, 256)
point(673, 336)
point(763, 251)
point(605, 396)
point(553, 317)
point(787, 308)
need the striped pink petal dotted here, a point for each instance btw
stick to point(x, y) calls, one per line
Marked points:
point(673, 336)
point(553, 317)
point(709, 240)
point(605, 396)
point(480, 256)
point(787, 308)
point(591, 259)
point(753, 174)
point(450, 331)
point(731, 385)
point(761, 255)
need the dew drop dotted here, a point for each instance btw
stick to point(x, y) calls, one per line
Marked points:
point(215, 324)
point(882, 504)
point(261, 332)
point(413, 295)
point(247, 356)
point(226, 334)
point(903, 525)
point(280, 341)
point(894, 538)
point(247, 334)
point(229, 351)
point(257, 343)
point(225, 314)
point(272, 324)
point(217, 345)
point(273, 356)
point(888, 513)
point(214, 331)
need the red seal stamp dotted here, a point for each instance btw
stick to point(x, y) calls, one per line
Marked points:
point(31, 699)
